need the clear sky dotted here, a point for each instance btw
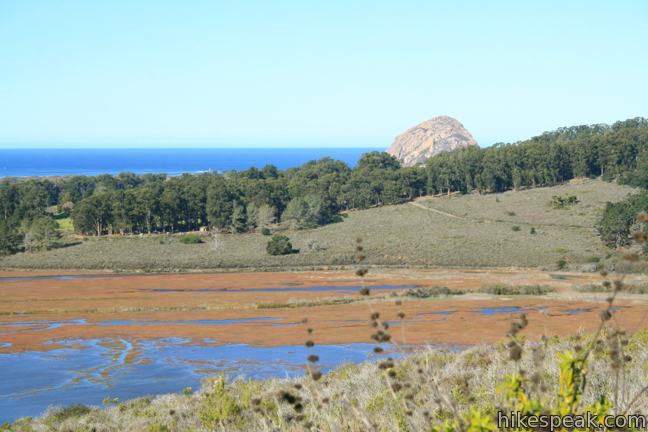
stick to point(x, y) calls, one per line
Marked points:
point(312, 73)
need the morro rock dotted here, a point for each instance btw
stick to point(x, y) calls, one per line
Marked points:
point(439, 134)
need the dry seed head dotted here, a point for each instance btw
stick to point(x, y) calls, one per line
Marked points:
point(313, 358)
point(361, 272)
point(401, 315)
point(378, 350)
point(605, 315)
point(316, 375)
point(365, 291)
point(310, 343)
point(285, 396)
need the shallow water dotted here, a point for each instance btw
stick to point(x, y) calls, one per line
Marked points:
point(49, 325)
point(326, 288)
point(59, 277)
point(501, 310)
point(109, 368)
point(577, 311)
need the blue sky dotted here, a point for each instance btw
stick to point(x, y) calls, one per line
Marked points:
point(300, 73)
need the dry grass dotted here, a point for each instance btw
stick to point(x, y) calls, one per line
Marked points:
point(403, 235)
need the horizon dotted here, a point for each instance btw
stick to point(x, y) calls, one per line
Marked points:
point(291, 75)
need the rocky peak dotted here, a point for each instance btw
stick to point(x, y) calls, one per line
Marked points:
point(433, 136)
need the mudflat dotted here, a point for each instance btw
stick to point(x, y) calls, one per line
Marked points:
point(271, 309)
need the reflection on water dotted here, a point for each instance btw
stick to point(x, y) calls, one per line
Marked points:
point(31, 381)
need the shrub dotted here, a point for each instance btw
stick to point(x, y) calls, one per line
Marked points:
point(560, 202)
point(425, 292)
point(265, 231)
point(562, 264)
point(515, 228)
point(516, 290)
point(218, 405)
point(532, 231)
point(190, 239)
point(71, 411)
point(279, 245)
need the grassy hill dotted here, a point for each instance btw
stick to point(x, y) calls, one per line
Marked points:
point(515, 228)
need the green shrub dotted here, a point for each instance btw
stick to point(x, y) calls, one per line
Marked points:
point(265, 231)
point(190, 239)
point(515, 228)
point(532, 231)
point(560, 202)
point(279, 245)
point(562, 264)
point(425, 292)
point(516, 290)
point(218, 405)
point(72, 411)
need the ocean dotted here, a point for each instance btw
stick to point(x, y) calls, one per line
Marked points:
point(63, 162)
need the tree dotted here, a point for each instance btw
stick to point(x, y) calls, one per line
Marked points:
point(265, 216)
point(93, 215)
point(279, 245)
point(42, 234)
point(308, 211)
point(10, 238)
point(378, 160)
point(614, 226)
point(220, 202)
point(239, 219)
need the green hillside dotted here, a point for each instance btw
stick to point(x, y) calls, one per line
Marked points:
point(514, 228)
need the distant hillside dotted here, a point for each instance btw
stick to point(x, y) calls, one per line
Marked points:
point(507, 229)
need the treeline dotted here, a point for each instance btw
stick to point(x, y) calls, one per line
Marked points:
point(617, 152)
point(306, 196)
point(316, 193)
